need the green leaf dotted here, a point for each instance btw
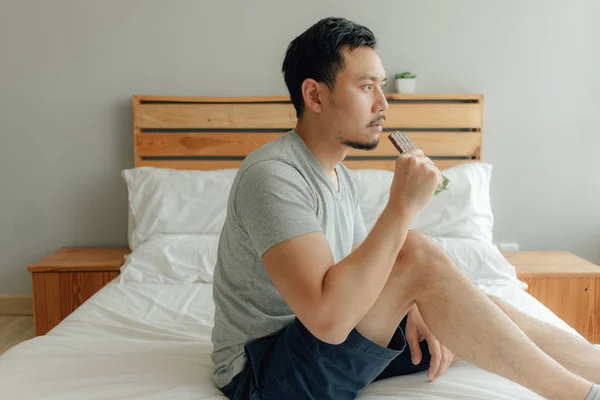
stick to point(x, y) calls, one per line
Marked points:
point(405, 75)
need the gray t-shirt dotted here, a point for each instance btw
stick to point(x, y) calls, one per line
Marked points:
point(279, 192)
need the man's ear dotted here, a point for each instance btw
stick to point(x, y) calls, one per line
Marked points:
point(312, 95)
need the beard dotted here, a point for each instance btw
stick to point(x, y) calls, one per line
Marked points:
point(355, 144)
point(360, 145)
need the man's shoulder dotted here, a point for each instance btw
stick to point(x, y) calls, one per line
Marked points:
point(275, 159)
point(267, 172)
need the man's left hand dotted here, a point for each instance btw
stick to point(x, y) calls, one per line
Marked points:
point(417, 331)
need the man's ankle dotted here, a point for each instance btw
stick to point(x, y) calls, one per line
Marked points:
point(594, 393)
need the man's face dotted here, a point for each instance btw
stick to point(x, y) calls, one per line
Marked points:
point(355, 110)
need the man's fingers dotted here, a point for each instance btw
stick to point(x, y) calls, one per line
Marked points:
point(440, 177)
point(415, 152)
point(443, 365)
point(450, 357)
point(412, 338)
point(447, 357)
point(436, 357)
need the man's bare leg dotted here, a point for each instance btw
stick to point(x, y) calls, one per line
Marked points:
point(465, 320)
point(572, 352)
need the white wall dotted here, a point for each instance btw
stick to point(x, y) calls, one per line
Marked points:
point(68, 70)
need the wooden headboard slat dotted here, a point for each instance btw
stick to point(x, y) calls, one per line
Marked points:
point(217, 116)
point(226, 164)
point(283, 116)
point(253, 99)
point(458, 144)
point(188, 132)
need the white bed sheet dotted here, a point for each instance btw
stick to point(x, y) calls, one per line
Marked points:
point(143, 341)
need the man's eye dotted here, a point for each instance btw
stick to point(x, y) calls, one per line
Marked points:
point(368, 87)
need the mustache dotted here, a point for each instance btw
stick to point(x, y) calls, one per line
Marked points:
point(377, 121)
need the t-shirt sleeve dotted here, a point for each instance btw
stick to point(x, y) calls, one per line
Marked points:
point(360, 231)
point(273, 203)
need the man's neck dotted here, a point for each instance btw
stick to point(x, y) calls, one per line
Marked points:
point(326, 148)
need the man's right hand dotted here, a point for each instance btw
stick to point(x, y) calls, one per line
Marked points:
point(415, 180)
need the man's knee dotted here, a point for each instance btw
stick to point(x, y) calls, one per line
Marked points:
point(419, 248)
point(419, 257)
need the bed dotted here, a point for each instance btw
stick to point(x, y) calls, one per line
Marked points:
point(146, 334)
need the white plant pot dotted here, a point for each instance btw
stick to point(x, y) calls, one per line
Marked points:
point(406, 85)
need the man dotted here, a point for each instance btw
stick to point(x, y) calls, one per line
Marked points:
point(308, 306)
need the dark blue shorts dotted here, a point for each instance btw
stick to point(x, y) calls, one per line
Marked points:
point(293, 364)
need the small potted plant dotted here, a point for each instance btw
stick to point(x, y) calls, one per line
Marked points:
point(406, 82)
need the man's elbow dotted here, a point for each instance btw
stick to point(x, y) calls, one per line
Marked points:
point(329, 330)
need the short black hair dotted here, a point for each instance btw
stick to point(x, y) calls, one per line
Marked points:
point(317, 54)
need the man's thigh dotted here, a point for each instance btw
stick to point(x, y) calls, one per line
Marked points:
point(294, 364)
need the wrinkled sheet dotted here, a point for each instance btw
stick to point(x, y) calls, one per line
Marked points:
point(152, 341)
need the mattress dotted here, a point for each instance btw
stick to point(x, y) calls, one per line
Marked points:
point(152, 341)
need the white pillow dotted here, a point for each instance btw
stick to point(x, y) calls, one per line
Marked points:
point(172, 259)
point(170, 201)
point(464, 210)
point(481, 261)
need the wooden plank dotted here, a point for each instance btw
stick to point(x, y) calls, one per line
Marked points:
point(40, 306)
point(433, 116)
point(201, 144)
point(16, 304)
point(283, 116)
point(458, 144)
point(109, 276)
point(216, 116)
point(190, 164)
point(90, 283)
point(53, 298)
point(571, 299)
point(70, 291)
point(556, 264)
point(226, 164)
point(480, 156)
point(136, 128)
point(47, 301)
point(82, 258)
point(462, 111)
point(595, 306)
point(435, 97)
point(209, 99)
point(252, 99)
point(79, 286)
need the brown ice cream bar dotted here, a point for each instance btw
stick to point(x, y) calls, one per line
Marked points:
point(401, 142)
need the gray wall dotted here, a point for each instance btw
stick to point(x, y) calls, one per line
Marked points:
point(68, 70)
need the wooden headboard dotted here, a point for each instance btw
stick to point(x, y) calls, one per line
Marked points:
point(218, 132)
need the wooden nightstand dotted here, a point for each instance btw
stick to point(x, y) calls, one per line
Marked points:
point(65, 279)
point(566, 284)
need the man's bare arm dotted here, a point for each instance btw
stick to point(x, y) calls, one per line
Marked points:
point(331, 299)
